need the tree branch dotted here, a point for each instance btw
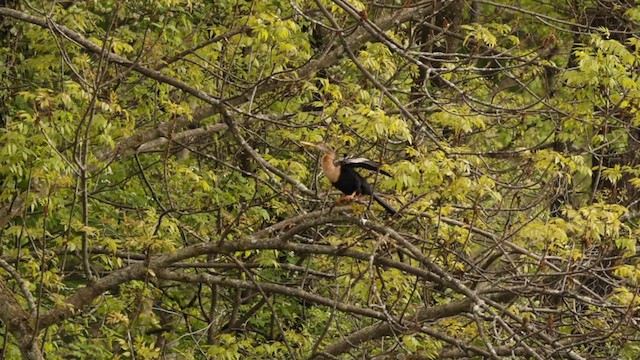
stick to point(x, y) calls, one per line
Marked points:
point(19, 324)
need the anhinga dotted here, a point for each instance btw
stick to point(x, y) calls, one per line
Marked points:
point(345, 178)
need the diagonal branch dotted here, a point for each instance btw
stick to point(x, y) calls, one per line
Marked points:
point(110, 56)
point(355, 40)
point(425, 314)
point(204, 278)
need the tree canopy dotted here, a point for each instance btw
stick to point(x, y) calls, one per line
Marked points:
point(156, 201)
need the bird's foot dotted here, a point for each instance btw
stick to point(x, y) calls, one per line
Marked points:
point(345, 199)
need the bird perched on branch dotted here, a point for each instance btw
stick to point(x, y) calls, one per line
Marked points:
point(345, 178)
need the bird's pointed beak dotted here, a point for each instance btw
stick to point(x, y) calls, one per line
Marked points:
point(305, 143)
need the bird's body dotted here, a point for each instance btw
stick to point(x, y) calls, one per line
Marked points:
point(344, 177)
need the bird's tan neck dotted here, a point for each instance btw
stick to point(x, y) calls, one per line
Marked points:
point(330, 170)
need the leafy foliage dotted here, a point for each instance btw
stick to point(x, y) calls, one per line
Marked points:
point(156, 201)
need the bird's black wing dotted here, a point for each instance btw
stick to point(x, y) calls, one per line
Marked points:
point(362, 163)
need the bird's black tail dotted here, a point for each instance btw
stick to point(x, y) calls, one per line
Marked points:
point(386, 206)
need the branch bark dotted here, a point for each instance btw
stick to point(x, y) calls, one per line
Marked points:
point(19, 323)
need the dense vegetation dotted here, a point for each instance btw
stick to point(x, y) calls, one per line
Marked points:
point(155, 201)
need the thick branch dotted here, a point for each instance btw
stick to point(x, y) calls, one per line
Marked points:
point(19, 323)
point(86, 295)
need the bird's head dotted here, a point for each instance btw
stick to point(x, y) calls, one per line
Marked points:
point(320, 146)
